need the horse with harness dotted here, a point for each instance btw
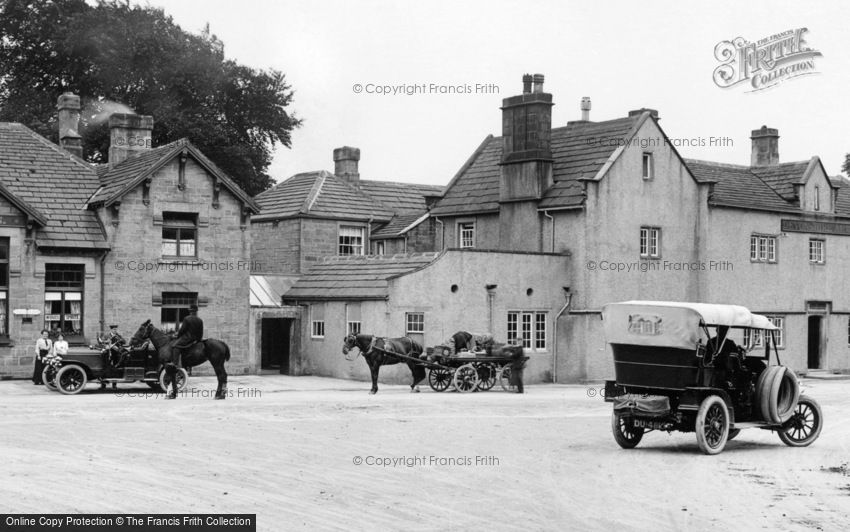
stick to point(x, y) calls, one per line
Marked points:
point(379, 352)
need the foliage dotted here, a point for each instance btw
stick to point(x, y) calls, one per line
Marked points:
point(137, 56)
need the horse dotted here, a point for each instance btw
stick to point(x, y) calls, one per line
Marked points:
point(216, 351)
point(374, 351)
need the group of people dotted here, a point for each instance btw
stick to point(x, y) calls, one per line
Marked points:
point(44, 348)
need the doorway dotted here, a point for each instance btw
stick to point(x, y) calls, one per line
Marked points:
point(815, 325)
point(274, 344)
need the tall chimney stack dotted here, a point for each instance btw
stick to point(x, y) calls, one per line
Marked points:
point(129, 135)
point(346, 161)
point(70, 140)
point(585, 109)
point(765, 147)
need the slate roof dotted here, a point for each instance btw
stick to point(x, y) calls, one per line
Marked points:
point(53, 183)
point(356, 278)
point(842, 202)
point(318, 194)
point(395, 227)
point(129, 173)
point(739, 186)
point(579, 150)
point(401, 198)
point(783, 177)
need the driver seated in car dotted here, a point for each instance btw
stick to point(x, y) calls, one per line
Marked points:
point(726, 357)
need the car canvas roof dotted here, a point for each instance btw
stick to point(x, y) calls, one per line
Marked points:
point(713, 314)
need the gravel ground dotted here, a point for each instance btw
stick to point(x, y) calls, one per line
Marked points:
point(314, 453)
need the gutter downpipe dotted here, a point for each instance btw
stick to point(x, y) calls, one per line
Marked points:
point(552, 222)
point(569, 298)
point(102, 292)
point(442, 232)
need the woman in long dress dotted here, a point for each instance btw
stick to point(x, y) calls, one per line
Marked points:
point(42, 348)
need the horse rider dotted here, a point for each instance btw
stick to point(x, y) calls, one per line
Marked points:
point(191, 332)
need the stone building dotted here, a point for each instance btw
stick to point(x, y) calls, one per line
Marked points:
point(428, 296)
point(639, 222)
point(83, 246)
point(317, 214)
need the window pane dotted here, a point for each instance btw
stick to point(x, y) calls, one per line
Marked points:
point(512, 327)
point(351, 240)
point(540, 330)
point(644, 241)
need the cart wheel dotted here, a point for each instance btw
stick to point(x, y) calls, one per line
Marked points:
point(466, 378)
point(71, 379)
point(712, 425)
point(486, 377)
point(626, 434)
point(439, 379)
point(182, 379)
point(732, 434)
point(48, 377)
point(805, 424)
point(504, 376)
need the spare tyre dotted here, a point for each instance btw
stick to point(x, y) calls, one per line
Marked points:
point(777, 392)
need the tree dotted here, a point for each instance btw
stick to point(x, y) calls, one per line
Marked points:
point(114, 53)
point(846, 166)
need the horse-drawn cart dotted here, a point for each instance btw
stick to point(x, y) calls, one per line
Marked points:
point(478, 372)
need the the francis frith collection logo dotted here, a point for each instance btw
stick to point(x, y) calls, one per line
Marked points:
point(764, 63)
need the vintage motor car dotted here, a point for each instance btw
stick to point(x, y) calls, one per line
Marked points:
point(107, 363)
point(677, 368)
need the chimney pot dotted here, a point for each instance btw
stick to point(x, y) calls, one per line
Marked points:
point(538, 82)
point(129, 135)
point(765, 147)
point(346, 162)
point(70, 140)
point(585, 108)
point(526, 83)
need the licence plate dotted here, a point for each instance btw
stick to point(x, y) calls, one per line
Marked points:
point(648, 423)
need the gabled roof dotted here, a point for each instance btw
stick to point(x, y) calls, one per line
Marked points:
point(579, 151)
point(783, 177)
point(318, 194)
point(51, 186)
point(125, 176)
point(401, 198)
point(355, 278)
point(399, 225)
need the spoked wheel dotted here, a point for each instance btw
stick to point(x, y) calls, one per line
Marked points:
point(712, 425)
point(439, 379)
point(486, 377)
point(504, 377)
point(805, 424)
point(48, 377)
point(626, 434)
point(71, 379)
point(466, 378)
point(182, 379)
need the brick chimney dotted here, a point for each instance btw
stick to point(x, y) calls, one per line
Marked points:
point(346, 160)
point(765, 147)
point(70, 140)
point(526, 164)
point(129, 135)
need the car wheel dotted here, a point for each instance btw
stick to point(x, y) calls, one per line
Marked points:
point(48, 377)
point(805, 424)
point(182, 379)
point(712, 425)
point(71, 379)
point(626, 434)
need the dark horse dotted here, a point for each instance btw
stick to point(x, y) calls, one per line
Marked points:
point(216, 351)
point(374, 350)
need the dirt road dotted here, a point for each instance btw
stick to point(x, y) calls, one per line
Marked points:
point(314, 453)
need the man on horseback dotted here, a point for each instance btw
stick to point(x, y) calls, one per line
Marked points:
point(191, 332)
